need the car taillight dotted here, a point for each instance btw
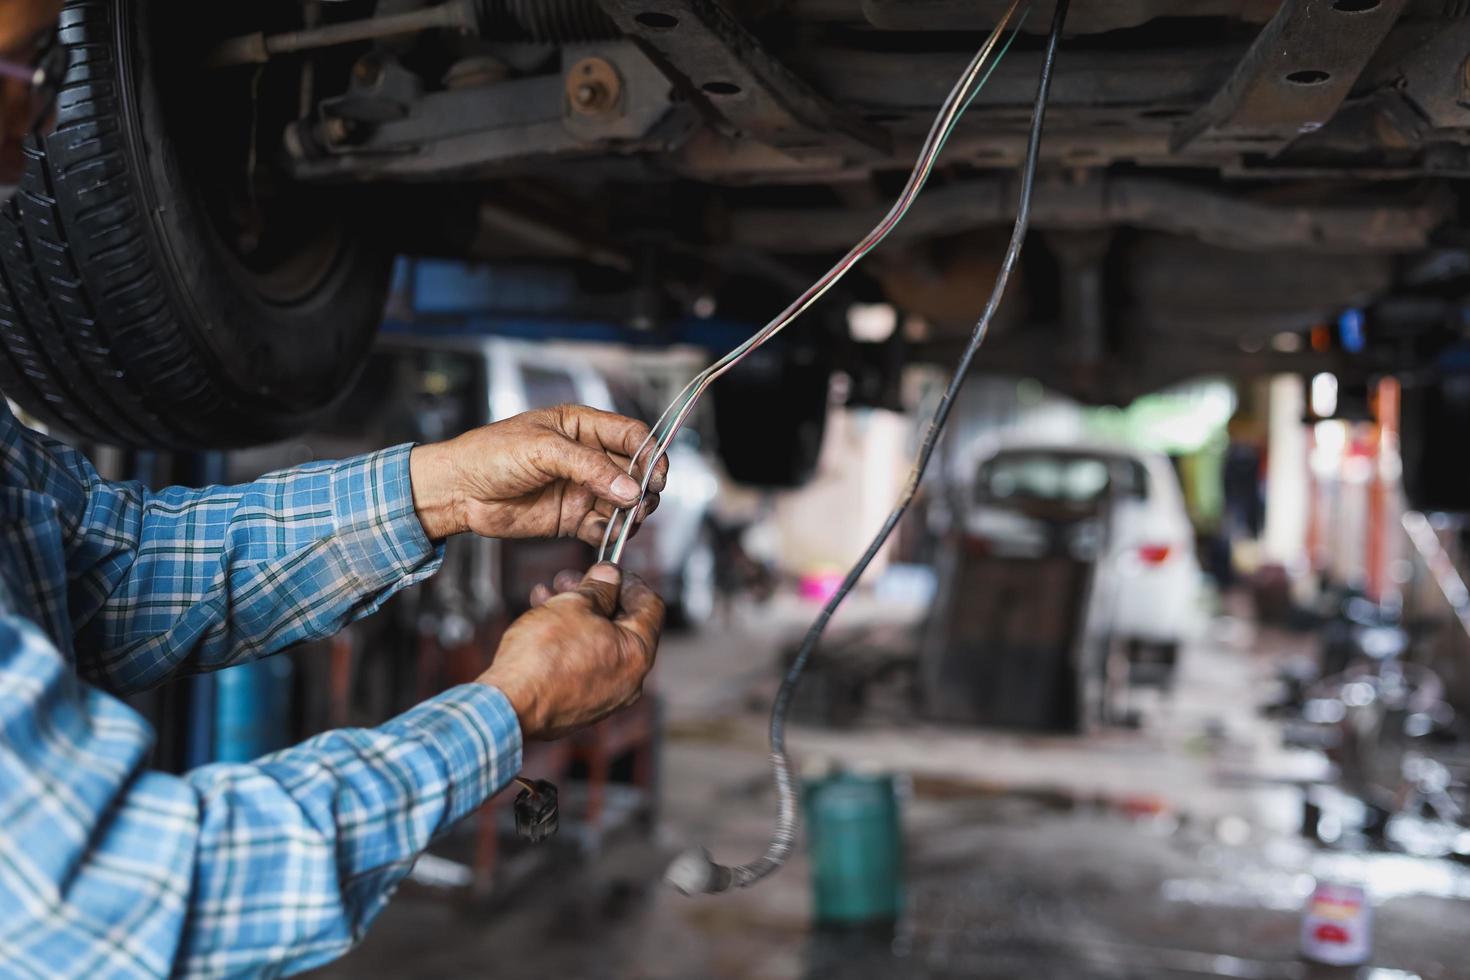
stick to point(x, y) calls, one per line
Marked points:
point(1153, 554)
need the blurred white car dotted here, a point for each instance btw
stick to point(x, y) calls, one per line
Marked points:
point(1122, 508)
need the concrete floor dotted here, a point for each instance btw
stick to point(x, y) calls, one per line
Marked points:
point(1169, 851)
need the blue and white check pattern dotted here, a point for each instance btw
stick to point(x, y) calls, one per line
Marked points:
point(108, 869)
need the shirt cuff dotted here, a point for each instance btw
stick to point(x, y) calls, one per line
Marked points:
point(473, 731)
point(379, 532)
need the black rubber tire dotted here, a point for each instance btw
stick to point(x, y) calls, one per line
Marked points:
point(771, 417)
point(124, 317)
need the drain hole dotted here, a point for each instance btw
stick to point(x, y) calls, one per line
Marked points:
point(1308, 76)
point(657, 21)
point(1163, 113)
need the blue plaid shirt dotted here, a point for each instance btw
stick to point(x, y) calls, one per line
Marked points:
point(110, 870)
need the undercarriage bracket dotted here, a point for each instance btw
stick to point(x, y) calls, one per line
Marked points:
point(609, 97)
point(1293, 78)
point(1215, 216)
point(725, 67)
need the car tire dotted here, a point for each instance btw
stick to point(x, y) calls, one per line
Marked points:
point(771, 416)
point(128, 314)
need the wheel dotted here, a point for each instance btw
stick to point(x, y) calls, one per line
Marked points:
point(164, 291)
point(1151, 663)
point(771, 415)
point(693, 606)
point(1168, 665)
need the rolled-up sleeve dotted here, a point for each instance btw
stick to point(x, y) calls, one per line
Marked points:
point(299, 851)
point(110, 869)
point(191, 580)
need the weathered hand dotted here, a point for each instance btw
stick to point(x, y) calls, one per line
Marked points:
point(579, 655)
point(555, 472)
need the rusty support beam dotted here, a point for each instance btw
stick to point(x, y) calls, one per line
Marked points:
point(1294, 77)
point(1209, 215)
point(1150, 80)
point(721, 65)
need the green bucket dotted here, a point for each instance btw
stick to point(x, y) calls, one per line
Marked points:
point(855, 836)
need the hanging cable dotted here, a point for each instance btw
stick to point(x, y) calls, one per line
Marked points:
point(620, 524)
point(668, 424)
point(695, 872)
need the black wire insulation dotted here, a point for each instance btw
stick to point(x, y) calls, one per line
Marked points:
point(694, 872)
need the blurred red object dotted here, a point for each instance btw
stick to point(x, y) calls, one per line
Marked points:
point(1154, 554)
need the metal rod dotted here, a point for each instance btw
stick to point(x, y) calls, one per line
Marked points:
point(258, 48)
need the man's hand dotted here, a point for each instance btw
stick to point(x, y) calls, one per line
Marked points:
point(555, 472)
point(580, 655)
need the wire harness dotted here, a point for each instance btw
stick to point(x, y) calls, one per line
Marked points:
point(661, 436)
point(694, 871)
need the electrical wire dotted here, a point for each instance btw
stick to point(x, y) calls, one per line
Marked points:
point(694, 872)
point(667, 427)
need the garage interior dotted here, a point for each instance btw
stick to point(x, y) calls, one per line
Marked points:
point(1072, 801)
point(1162, 669)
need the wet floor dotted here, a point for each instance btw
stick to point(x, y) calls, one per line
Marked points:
point(1167, 851)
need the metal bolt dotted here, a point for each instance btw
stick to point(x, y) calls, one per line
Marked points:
point(590, 93)
point(593, 87)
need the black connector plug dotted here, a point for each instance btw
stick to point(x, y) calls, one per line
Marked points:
point(536, 811)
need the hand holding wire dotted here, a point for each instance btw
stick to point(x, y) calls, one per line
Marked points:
point(580, 654)
point(553, 472)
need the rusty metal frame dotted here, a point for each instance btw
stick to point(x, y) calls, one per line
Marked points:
point(464, 131)
point(1385, 224)
point(722, 65)
point(1294, 77)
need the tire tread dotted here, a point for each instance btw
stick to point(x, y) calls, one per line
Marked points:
point(59, 299)
point(97, 329)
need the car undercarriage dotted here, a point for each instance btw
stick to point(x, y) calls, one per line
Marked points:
point(1215, 174)
point(1218, 178)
